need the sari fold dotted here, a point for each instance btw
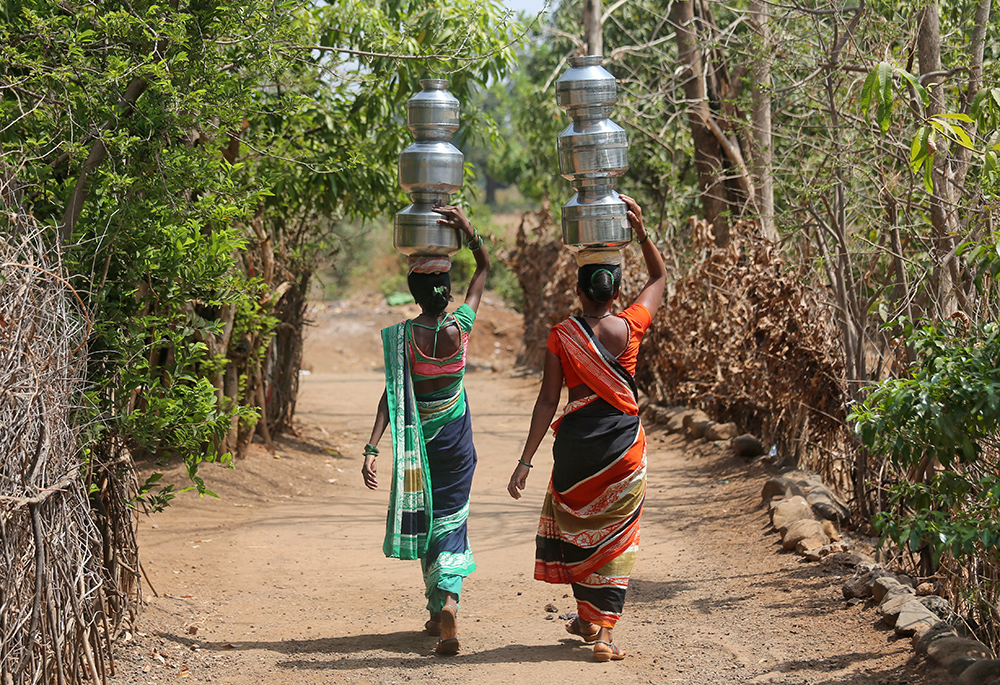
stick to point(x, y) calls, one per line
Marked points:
point(588, 533)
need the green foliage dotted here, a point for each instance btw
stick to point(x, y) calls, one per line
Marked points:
point(946, 412)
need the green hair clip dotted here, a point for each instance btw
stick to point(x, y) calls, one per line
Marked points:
point(594, 275)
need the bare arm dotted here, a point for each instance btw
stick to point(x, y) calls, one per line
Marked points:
point(454, 217)
point(652, 292)
point(541, 416)
point(381, 421)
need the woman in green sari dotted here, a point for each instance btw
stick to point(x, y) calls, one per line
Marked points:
point(426, 410)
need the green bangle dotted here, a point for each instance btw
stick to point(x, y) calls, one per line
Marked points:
point(371, 451)
point(479, 243)
point(640, 242)
point(524, 463)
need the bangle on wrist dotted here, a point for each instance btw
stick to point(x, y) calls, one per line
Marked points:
point(524, 463)
point(371, 450)
point(644, 239)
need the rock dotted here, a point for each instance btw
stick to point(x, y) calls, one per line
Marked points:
point(788, 510)
point(675, 424)
point(551, 608)
point(905, 580)
point(847, 560)
point(806, 546)
point(862, 582)
point(946, 650)
point(830, 530)
point(827, 505)
point(893, 604)
point(824, 551)
point(882, 586)
point(720, 431)
point(926, 590)
point(695, 424)
point(780, 487)
point(748, 446)
point(925, 637)
point(959, 665)
point(980, 672)
point(939, 606)
point(801, 529)
point(912, 616)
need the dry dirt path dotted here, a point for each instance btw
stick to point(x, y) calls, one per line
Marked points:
point(282, 580)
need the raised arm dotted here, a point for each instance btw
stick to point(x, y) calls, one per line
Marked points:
point(652, 292)
point(541, 416)
point(454, 217)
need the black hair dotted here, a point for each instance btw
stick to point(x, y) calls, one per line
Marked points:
point(599, 282)
point(431, 291)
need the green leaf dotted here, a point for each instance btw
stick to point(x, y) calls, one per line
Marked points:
point(922, 93)
point(867, 90)
point(929, 175)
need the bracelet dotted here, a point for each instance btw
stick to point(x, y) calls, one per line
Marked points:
point(478, 244)
point(524, 463)
point(371, 451)
point(640, 242)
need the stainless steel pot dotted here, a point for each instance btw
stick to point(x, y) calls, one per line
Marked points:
point(593, 153)
point(430, 169)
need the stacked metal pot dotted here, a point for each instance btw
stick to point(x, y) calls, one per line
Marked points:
point(429, 170)
point(593, 153)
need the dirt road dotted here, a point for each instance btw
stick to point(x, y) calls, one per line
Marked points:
point(282, 579)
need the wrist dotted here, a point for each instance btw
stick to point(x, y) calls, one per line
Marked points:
point(522, 462)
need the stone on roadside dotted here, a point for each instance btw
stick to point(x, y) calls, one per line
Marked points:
point(847, 560)
point(912, 616)
point(831, 530)
point(980, 672)
point(946, 650)
point(827, 505)
point(747, 446)
point(720, 431)
point(883, 585)
point(695, 424)
point(807, 547)
point(791, 509)
point(939, 606)
point(893, 604)
point(926, 590)
point(801, 529)
point(861, 584)
point(675, 424)
point(820, 552)
point(780, 487)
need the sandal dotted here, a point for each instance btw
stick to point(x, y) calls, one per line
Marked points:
point(432, 627)
point(449, 626)
point(612, 653)
point(575, 628)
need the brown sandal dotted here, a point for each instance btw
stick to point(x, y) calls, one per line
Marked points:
point(449, 626)
point(574, 627)
point(432, 627)
point(612, 653)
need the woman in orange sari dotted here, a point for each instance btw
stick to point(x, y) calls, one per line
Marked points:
point(588, 534)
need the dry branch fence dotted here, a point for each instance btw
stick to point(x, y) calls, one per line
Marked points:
point(738, 335)
point(67, 542)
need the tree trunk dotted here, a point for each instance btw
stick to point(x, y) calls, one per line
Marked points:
point(708, 153)
point(976, 49)
point(592, 35)
point(761, 118)
point(945, 267)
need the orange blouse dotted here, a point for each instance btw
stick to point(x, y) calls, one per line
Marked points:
point(638, 319)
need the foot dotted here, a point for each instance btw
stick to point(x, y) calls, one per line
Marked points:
point(448, 644)
point(607, 651)
point(433, 625)
point(585, 629)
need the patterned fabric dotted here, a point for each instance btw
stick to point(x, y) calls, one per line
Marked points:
point(429, 264)
point(588, 532)
point(433, 465)
point(410, 500)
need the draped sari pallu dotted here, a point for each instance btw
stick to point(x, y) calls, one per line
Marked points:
point(588, 533)
point(433, 463)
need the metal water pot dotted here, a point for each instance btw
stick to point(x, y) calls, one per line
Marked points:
point(593, 153)
point(430, 169)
